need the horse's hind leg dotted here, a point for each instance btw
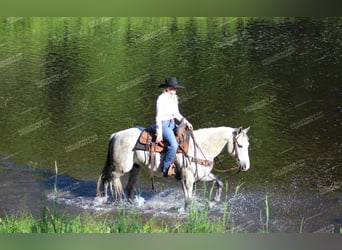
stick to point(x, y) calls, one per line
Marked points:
point(132, 180)
point(102, 183)
point(111, 186)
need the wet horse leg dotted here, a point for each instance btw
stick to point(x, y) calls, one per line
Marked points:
point(111, 186)
point(132, 180)
point(219, 186)
point(102, 183)
point(187, 181)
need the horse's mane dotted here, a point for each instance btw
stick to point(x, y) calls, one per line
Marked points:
point(204, 131)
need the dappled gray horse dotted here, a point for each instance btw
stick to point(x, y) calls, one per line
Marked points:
point(196, 165)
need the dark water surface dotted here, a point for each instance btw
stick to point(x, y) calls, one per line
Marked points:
point(66, 84)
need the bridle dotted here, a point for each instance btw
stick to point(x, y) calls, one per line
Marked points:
point(235, 145)
point(209, 163)
point(236, 155)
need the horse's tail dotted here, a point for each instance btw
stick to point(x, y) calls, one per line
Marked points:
point(99, 185)
point(107, 170)
point(109, 161)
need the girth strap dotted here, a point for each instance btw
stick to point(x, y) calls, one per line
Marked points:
point(202, 162)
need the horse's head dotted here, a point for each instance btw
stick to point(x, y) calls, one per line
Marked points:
point(239, 148)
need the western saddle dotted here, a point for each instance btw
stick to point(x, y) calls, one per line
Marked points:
point(147, 140)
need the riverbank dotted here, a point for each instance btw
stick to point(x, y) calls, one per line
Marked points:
point(53, 221)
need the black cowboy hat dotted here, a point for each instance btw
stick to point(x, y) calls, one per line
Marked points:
point(171, 82)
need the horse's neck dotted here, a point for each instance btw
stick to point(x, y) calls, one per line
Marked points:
point(212, 140)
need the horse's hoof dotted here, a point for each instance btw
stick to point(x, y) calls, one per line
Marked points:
point(188, 204)
point(100, 200)
point(139, 201)
point(211, 204)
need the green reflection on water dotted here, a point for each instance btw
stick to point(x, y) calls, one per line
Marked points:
point(66, 84)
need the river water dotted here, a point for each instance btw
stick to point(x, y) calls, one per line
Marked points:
point(66, 84)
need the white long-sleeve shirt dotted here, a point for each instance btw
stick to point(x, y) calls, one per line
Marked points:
point(167, 109)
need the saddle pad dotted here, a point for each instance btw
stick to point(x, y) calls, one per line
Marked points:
point(147, 137)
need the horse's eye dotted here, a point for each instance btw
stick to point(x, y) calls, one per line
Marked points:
point(240, 146)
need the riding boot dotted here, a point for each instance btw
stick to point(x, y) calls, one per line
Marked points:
point(171, 172)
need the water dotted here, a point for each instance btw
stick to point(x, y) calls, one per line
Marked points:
point(66, 84)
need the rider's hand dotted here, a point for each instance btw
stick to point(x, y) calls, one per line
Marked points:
point(189, 125)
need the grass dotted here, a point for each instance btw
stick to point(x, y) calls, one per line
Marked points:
point(54, 222)
point(79, 224)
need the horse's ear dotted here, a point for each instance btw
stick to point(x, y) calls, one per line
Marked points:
point(246, 130)
point(239, 130)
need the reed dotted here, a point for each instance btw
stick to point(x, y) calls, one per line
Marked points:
point(265, 228)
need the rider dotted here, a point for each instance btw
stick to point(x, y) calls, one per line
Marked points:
point(167, 111)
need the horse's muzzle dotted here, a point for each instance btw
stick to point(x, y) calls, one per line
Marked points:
point(244, 166)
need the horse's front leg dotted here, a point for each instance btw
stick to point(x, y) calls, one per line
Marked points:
point(219, 186)
point(187, 180)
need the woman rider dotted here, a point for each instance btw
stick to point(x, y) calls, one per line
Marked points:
point(167, 111)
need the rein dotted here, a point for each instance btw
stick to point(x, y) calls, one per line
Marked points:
point(228, 169)
point(237, 158)
point(208, 163)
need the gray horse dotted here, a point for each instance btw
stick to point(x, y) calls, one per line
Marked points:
point(195, 166)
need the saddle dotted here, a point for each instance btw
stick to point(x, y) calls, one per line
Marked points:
point(148, 136)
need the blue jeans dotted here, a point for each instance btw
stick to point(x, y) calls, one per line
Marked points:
point(172, 145)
